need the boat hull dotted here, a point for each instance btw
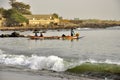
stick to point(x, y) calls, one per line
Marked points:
point(54, 37)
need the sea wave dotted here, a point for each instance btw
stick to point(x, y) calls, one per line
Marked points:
point(52, 62)
point(93, 61)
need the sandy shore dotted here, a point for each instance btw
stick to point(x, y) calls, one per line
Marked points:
point(10, 75)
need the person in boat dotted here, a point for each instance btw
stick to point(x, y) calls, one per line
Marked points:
point(72, 32)
point(41, 35)
point(63, 35)
point(77, 34)
point(36, 31)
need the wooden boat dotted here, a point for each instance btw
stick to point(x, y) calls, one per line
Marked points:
point(55, 37)
point(64, 37)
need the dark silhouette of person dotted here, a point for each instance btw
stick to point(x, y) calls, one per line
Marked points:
point(72, 32)
point(63, 35)
point(41, 35)
point(36, 31)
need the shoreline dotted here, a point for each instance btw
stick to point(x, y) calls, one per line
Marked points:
point(44, 28)
point(12, 75)
point(33, 28)
point(8, 73)
point(18, 28)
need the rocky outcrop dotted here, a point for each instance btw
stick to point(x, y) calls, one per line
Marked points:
point(14, 34)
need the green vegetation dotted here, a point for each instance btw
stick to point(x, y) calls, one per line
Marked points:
point(100, 68)
point(2, 10)
point(20, 7)
point(54, 15)
point(14, 18)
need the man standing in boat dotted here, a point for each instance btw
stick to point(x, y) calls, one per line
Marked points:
point(36, 31)
point(72, 32)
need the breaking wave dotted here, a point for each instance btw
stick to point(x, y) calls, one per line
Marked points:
point(52, 62)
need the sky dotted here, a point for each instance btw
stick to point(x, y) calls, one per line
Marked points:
point(70, 9)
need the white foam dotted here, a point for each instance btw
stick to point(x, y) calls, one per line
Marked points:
point(54, 63)
point(112, 62)
point(50, 63)
point(34, 62)
point(1, 51)
point(107, 61)
point(15, 60)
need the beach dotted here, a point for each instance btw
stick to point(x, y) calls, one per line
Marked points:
point(9, 74)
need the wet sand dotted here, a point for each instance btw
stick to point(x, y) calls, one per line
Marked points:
point(8, 75)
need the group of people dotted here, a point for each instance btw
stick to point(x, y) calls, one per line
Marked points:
point(36, 31)
point(72, 33)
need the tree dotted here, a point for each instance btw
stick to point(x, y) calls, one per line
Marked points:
point(14, 18)
point(54, 15)
point(2, 10)
point(20, 7)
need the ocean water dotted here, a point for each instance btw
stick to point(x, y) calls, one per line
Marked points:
point(49, 59)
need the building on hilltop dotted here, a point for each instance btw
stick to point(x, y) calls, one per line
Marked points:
point(41, 20)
